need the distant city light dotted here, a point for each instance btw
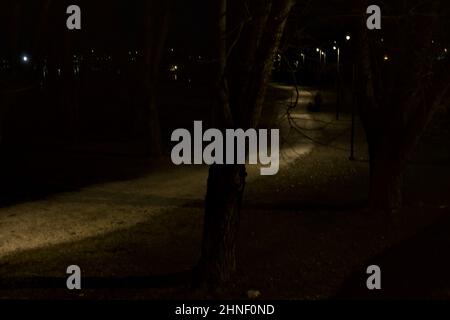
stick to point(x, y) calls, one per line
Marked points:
point(386, 57)
point(318, 50)
point(25, 58)
point(334, 48)
point(348, 37)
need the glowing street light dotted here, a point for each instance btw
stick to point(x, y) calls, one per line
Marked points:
point(25, 58)
point(348, 37)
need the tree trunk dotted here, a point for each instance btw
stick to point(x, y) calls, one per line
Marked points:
point(153, 127)
point(15, 25)
point(225, 190)
point(68, 94)
point(386, 182)
point(226, 182)
point(157, 24)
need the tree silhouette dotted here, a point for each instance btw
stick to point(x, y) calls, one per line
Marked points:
point(400, 92)
point(156, 22)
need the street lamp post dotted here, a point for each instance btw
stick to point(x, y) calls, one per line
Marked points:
point(319, 66)
point(352, 135)
point(338, 80)
point(354, 102)
point(338, 59)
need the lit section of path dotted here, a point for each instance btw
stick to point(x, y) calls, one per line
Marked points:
point(96, 210)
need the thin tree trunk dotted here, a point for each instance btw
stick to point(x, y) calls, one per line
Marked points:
point(157, 24)
point(15, 25)
point(68, 89)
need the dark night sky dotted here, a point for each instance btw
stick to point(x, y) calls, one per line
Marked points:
point(118, 24)
point(112, 24)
